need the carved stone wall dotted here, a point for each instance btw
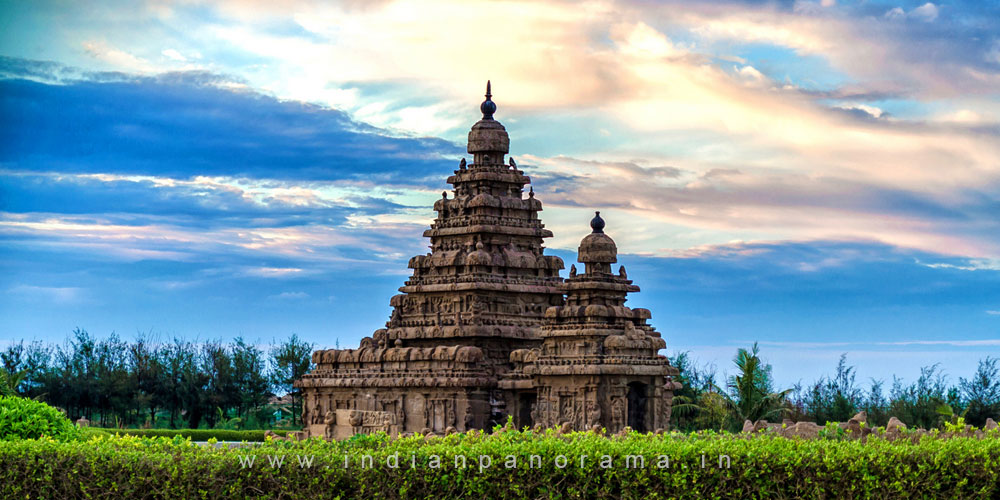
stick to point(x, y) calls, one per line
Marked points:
point(463, 347)
point(598, 363)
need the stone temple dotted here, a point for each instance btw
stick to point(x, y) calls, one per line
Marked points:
point(486, 329)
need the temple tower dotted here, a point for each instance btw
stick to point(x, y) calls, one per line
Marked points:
point(486, 281)
point(598, 363)
point(485, 328)
point(479, 294)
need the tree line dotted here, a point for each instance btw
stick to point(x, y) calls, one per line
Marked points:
point(750, 394)
point(117, 383)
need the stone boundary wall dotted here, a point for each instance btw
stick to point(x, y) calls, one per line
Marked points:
point(857, 428)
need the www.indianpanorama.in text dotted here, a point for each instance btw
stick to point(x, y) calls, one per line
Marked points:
point(484, 462)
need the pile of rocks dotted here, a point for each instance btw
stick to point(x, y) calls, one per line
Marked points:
point(291, 436)
point(857, 428)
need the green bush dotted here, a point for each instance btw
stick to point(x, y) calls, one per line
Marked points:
point(761, 467)
point(195, 434)
point(22, 418)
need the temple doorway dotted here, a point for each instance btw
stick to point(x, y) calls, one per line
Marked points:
point(525, 404)
point(637, 406)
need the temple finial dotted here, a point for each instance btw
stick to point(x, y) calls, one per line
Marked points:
point(488, 107)
point(597, 223)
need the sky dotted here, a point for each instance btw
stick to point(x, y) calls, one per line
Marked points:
point(818, 177)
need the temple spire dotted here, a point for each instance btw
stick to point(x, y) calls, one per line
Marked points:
point(597, 223)
point(488, 107)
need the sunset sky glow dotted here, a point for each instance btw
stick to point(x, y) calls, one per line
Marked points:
point(822, 177)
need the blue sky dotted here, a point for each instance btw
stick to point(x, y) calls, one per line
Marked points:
point(820, 177)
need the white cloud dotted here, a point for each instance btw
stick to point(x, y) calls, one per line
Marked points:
point(874, 111)
point(290, 296)
point(173, 54)
point(751, 75)
point(274, 272)
point(926, 12)
point(118, 58)
point(895, 13)
point(972, 265)
point(643, 41)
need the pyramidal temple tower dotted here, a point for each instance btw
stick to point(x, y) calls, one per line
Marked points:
point(485, 327)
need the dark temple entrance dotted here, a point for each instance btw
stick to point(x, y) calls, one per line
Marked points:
point(525, 404)
point(637, 406)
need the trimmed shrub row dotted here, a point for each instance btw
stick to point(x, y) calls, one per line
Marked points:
point(193, 434)
point(544, 464)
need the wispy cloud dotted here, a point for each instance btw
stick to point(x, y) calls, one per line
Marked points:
point(953, 343)
point(763, 178)
point(56, 294)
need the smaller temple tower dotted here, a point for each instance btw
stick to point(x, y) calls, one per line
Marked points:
point(598, 364)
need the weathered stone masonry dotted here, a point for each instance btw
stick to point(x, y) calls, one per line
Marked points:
point(486, 328)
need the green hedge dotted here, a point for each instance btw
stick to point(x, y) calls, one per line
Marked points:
point(194, 434)
point(22, 418)
point(761, 467)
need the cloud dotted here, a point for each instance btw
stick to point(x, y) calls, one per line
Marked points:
point(184, 125)
point(883, 50)
point(198, 155)
point(116, 57)
point(954, 343)
point(56, 294)
point(895, 13)
point(760, 175)
point(926, 12)
point(200, 202)
point(723, 204)
point(173, 54)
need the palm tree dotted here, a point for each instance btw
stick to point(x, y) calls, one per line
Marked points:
point(10, 381)
point(750, 395)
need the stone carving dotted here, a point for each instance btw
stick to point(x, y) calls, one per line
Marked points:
point(317, 414)
point(329, 421)
point(485, 327)
point(356, 418)
point(617, 414)
point(469, 417)
point(593, 413)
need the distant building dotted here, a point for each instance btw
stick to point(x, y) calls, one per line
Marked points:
point(486, 328)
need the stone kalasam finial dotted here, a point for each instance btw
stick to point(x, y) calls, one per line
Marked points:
point(531, 192)
point(598, 247)
point(461, 164)
point(597, 223)
point(488, 107)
